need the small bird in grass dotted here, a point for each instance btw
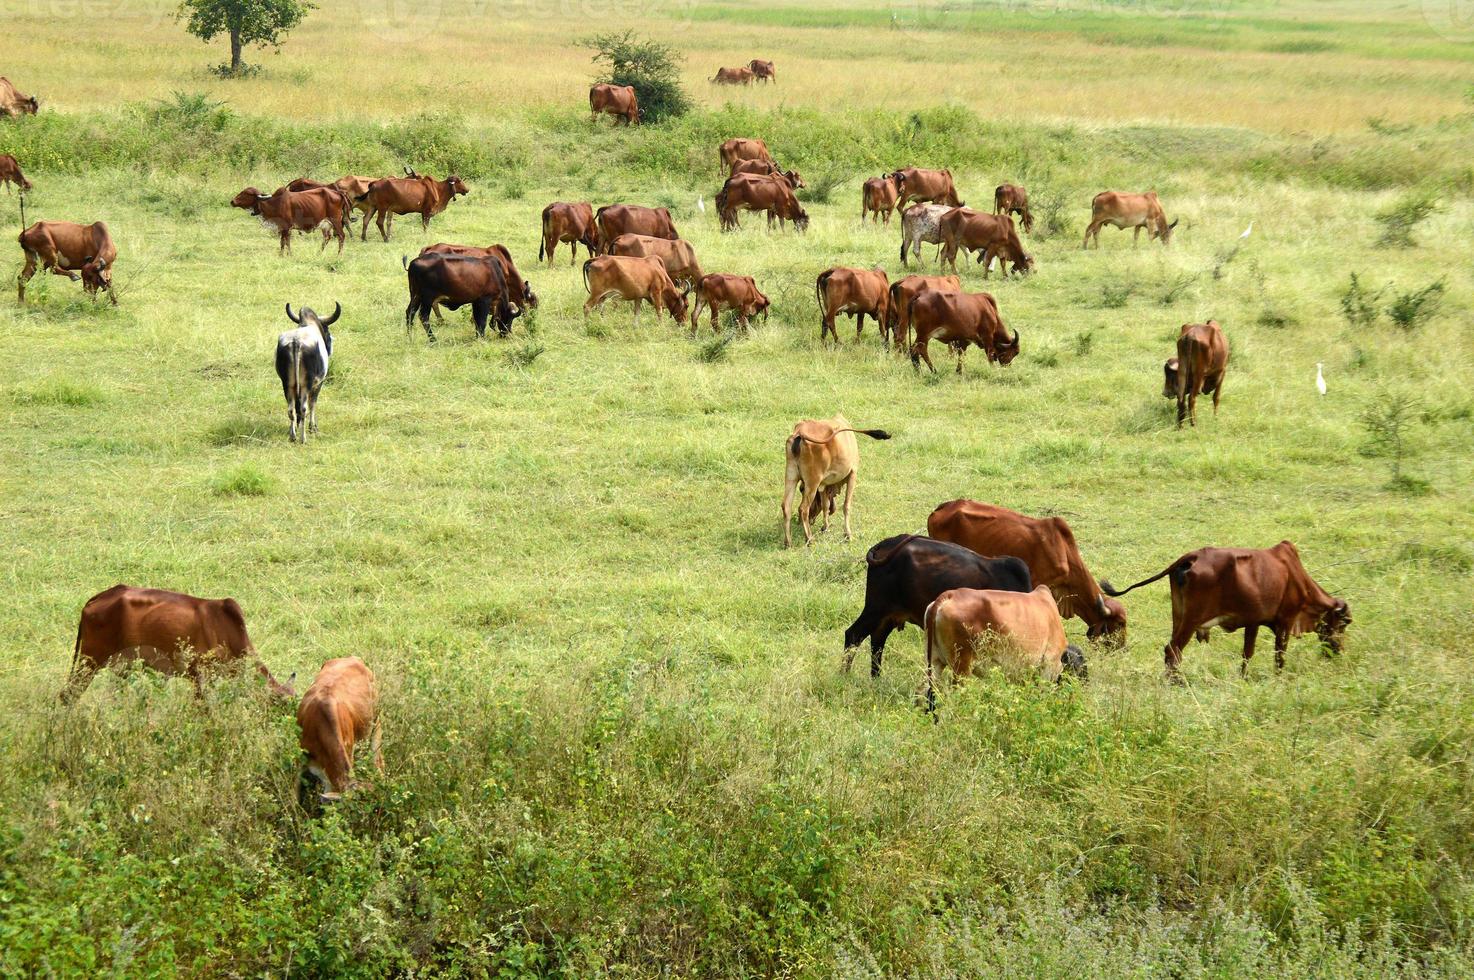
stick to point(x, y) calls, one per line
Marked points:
point(1320, 379)
point(701, 203)
point(1246, 231)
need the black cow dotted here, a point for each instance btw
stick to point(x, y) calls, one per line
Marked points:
point(455, 280)
point(905, 573)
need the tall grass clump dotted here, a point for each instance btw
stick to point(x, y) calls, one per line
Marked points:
point(1402, 217)
point(1411, 309)
point(651, 67)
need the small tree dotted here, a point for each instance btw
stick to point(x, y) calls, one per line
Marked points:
point(1389, 424)
point(261, 22)
point(651, 67)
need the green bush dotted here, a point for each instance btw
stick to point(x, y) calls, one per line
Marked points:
point(651, 67)
point(1400, 219)
point(1415, 307)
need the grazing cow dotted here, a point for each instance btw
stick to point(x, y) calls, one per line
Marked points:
point(958, 319)
point(1047, 546)
point(749, 192)
point(921, 223)
point(819, 458)
point(903, 574)
point(763, 70)
point(1134, 211)
point(519, 291)
point(171, 632)
point(878, 197)
point(571, 223)
point(1021, 634)
point(733, 76)
point(618, 101)
point(613, 220)
point(767, 168)
point(338, 711)
point(990, 235)
point(302, 357)
point(288, 211)
point(12, 103)
point(413, 194)
point(904, 291)
point(1246, 588)
point(738, 293)
point(458, 280)
point(855, 291)
point(742, 148)
point(1013, 199)
point(62, 248)
point(1198, 368)
point(678, 256)
point(10, 173)
point(635, 279)
point(935, 186)
point(354, 187)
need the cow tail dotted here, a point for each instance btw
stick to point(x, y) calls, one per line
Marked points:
point(77, 646)
point(1108, 590)
point(794, 443)
point(542, 245)
point(928, 620)
point(821, 284)
point(299, 392)
point(586, 264)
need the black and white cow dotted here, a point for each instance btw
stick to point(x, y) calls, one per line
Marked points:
point(302, 364)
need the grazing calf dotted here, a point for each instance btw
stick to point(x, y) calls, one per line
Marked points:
point(737, 293)
point(752, 192)
point(1013, 199)
point(957, 320)
point(174, 633)
point(354, 187)
point(763, 70)
point(1021, 634)
point(904, 291)
point(742, 148)
point(13, 103)
point(288, 211)
point(990, 235)
point(903, 574)
point(618, 101)
point(338, 711)
point(733, 76)
point(613, 220)
point(854, 291)
point(1134, 211)
point(678, 256)
point(76, 251)
point(935, 186)
point(636, 279)
point(819, 458)
point(302, 357)
point(1246, 588)
point(1198, 368)
point(10, 173)
point(921, 223)
point(408, 195)
point(519, 290)
point(571, 223)
point(878, 198)
point(459, 280)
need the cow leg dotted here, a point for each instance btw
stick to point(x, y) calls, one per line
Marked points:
point(367, 217)
point(83, 670)
point(790, 483)
point(959, 351)
point(379, 220)
point(312, 405)
point(1251, 633)
point(1181, 409)
point(1172, 652)
point(480, 310)
point(25, 277)
point(1092, 229)
point(286, 242)
point(637, 311)
point(849, 496)
point(1281, 640)
point(1192, 408)
point(1135, 236)
point(1217, 393)
point(805, 504)
point(859, 325)
point(919, 352)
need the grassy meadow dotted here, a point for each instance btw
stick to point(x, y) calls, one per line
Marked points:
point(618, 741)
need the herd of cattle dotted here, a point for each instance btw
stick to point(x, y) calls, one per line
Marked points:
point(1006, 610)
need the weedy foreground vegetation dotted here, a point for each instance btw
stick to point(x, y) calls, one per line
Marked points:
point(616, 734)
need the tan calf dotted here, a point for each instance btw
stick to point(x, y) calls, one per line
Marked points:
point(820, 458)
point(339, 710)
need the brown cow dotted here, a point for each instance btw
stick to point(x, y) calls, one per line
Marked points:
point(767, 168)
point(571, 223)
point(1198, 368)
point(750, 192)
point(171, 632)
point(878, 197)
point(338, 711)
point(1013, 199)
point(842, 289)
point(460, 280)
point(1018, 632)
point(990, 235)
point(678, 256)
point(62, 248)
point(414, 194)
point(733, 76)
point(354, 187)
point(742, 148)
point(934, 186)
point(519, 291)
point(10, 173)
point(958, 319)
point(1246, 588)
point(287, 211)
point(613, 220)
point(618, 101)
point(635, 279)
point(12, 103)
point(1134, 211)
point(1047, 546)
point(819, 458)
point(763, 70)
point(738, 293)
point(904, 291)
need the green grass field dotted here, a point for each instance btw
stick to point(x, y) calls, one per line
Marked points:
point(617, 737)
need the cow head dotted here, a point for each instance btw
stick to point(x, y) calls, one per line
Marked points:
point(677, 304)
point(306, 317)
point(1025, 265)
point(1332, 626)
point(1110, 625)
point(456, 185)
point(760, 305)
point(30, 105)
point(1169, 382)
point(529, 298)
point(1005, 353)
point(1166, 233)
point(794, 180)
point(248, 200)
point(801, 220)
point(96, 275)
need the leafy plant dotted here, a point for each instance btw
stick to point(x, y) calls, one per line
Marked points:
point(1359, 304)
point(651, 67)
point(1400, 219)
point(1115, 293)
point(823, 184)
point(260, 22)
point(1049, 209)
point(525, 353)
point(715, 350)
point(1389, 423)
point(1177, 287)
point(1412, 309)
